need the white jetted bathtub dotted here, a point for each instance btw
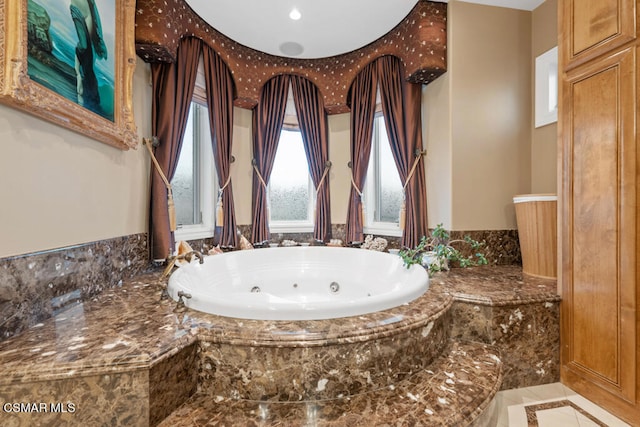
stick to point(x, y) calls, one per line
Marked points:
point(297, 283)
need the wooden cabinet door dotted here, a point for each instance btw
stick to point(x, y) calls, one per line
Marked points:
point(590, 28)
point(599, 305)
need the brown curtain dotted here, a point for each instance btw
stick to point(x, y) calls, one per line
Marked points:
point(401, 103)
point(362, 101)
point(312, 120)
point(268, 117)
point(173, 85)
point(220, 94)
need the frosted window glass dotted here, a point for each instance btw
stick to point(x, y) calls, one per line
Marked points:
point(384, 194)
point(183, 183)
point(390, 192)
point(289, 182)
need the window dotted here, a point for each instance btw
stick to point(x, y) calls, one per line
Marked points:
point(194, 183)
point(383, 192)
point(291, 191)
point(546, 99)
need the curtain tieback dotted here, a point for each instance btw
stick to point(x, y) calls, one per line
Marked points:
point(361, 215)
point(170, 205)
point(255, 167)
point(220, 204)
point(327, 166)
point(403, 207)
point(418, 157)
point(355, 186)
point(226, 183)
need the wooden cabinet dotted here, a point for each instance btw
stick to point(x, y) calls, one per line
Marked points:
point(589, 28)
point(599, 114)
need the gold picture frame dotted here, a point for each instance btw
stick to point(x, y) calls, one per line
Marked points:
point(19, 88)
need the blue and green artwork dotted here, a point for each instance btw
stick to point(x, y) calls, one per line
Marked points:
point(71, 46)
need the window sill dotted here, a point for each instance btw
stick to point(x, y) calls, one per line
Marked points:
point(291, 227)
point(383, 230)
point(193, 232)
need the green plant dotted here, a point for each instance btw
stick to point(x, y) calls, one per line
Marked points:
point(438, 247)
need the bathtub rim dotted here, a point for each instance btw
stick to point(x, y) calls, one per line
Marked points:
point(380, 300)
point(216, 329)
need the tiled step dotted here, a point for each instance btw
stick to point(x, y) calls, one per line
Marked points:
point(454, 391)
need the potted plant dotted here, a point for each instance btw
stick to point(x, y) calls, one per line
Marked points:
point(436, 252)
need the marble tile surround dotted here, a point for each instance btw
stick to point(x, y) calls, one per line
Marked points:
point(501, 247)
point(172, 380)
point(511, 319)
point(458, 387)
point(129, 330)
point(120, 399)
point(341, 367)
point(34, 287)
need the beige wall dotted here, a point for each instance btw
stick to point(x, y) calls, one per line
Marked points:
point(60, 188)
point(340, 177)
point(481, 146)
point(544, 139)
point(436, 137)
point(241, 171)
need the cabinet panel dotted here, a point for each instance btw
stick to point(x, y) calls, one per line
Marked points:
point(595, 237)
point(594, 27)
point(599, 233)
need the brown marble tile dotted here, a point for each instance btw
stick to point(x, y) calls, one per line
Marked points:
point(472, 322)
point(517, 313)
point(528, 337)
point(34, 287)
point(172, 380)
point(311, 333)
point(501, 247)
point(294, 372)
point(452, 392)
point(118, 399)
point(130, 329)
point(496, 285)
point(124, 328)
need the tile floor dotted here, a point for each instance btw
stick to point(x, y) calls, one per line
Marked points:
point(549, 405)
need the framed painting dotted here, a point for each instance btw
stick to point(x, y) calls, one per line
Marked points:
point(71, 62)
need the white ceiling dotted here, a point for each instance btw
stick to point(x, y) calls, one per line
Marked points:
point(326, 28)
point(513, 4)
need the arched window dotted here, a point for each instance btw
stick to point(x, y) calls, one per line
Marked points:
point(291, 191)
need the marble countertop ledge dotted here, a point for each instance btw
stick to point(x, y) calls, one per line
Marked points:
point(117, 331)
point(498, 285)
point(131, 327)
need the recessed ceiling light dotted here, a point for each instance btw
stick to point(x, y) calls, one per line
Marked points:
point(295, 14)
